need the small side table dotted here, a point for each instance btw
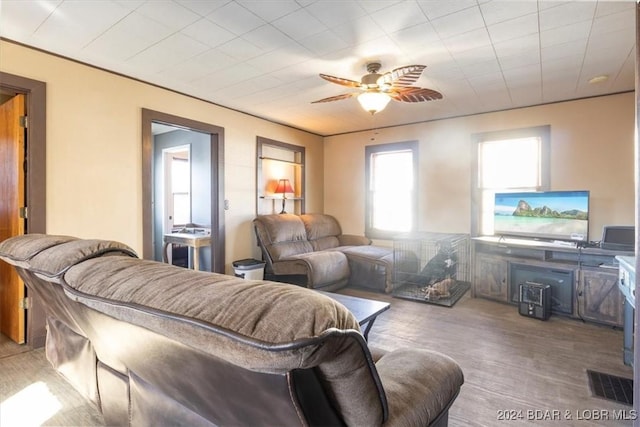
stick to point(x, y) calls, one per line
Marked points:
point(193, 240)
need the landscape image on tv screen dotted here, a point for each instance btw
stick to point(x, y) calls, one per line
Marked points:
point(554, 215)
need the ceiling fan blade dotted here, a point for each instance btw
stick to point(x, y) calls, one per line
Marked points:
point(341, 81)
point(402, 77)
point(335, 98)
point(415, 94)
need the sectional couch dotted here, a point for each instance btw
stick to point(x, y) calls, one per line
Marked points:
point(312, 246)
point(151, 344)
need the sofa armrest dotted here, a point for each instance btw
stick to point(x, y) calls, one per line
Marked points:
point(420, 385)
point(353, 240)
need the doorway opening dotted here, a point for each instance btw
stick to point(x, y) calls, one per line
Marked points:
point(31, 165)
point(182, 166)
point(13, 144)
point(173, 196)
point(182, 195)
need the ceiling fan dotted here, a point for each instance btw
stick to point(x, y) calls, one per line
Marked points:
point(378, 89)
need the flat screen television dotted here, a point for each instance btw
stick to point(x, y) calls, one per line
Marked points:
point(548, 215)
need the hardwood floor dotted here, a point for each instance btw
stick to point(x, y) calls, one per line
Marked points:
point(512, 364)
point(33, 394)
point(10, 348)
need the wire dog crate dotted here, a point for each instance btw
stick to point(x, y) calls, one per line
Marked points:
point(431, 267)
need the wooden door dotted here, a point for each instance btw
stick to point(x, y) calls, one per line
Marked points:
point(12, 199)
point(490, 278)
point(600, 298)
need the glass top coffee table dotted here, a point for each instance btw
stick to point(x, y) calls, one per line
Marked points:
point(365, 310)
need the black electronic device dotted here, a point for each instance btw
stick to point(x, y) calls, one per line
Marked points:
point(618, 238)
point(535, 300)
point(561, 282)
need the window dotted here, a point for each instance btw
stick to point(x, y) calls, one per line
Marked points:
point(515, 160)
point(176, 202)
point(391, 195)
point(180, 188)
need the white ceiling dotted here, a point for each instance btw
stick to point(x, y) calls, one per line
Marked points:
point(263, 57)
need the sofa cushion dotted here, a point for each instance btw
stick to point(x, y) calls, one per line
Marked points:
point(320, 225)
point(54, 261)
point(21, 249)
point(216, 299)
point(283, 228)
point(406, 373)
point(324, 243)
point(322, 231)
point(284, 251)
point(282, 235)
point(377, 254)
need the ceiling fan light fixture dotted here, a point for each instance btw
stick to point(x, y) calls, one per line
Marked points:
point(376, 90)
point(373, 102)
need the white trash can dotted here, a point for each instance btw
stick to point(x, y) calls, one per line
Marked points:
point(250, 269)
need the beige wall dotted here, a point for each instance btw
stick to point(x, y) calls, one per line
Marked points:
point(94, 139)
point(591, 148)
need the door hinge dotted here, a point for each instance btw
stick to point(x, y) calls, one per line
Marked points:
point(26, 303)
point(24, 212)
point(24, 122)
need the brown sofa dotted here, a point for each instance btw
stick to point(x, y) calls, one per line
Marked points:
point(313, 246)
point(154, 344)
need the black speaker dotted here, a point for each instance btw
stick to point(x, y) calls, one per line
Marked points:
point(535, 300)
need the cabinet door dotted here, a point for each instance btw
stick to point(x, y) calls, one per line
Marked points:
point(599, 298)
point(490, 278)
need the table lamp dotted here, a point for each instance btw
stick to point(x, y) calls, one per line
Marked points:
point(284, 186)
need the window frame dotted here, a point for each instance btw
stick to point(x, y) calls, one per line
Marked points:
point(187, 193)
point(543, 132)
point(412, 146)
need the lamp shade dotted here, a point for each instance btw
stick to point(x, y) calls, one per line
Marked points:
point(373, 102)
point(284, 186)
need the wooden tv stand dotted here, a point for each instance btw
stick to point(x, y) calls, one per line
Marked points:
point(595, 294)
